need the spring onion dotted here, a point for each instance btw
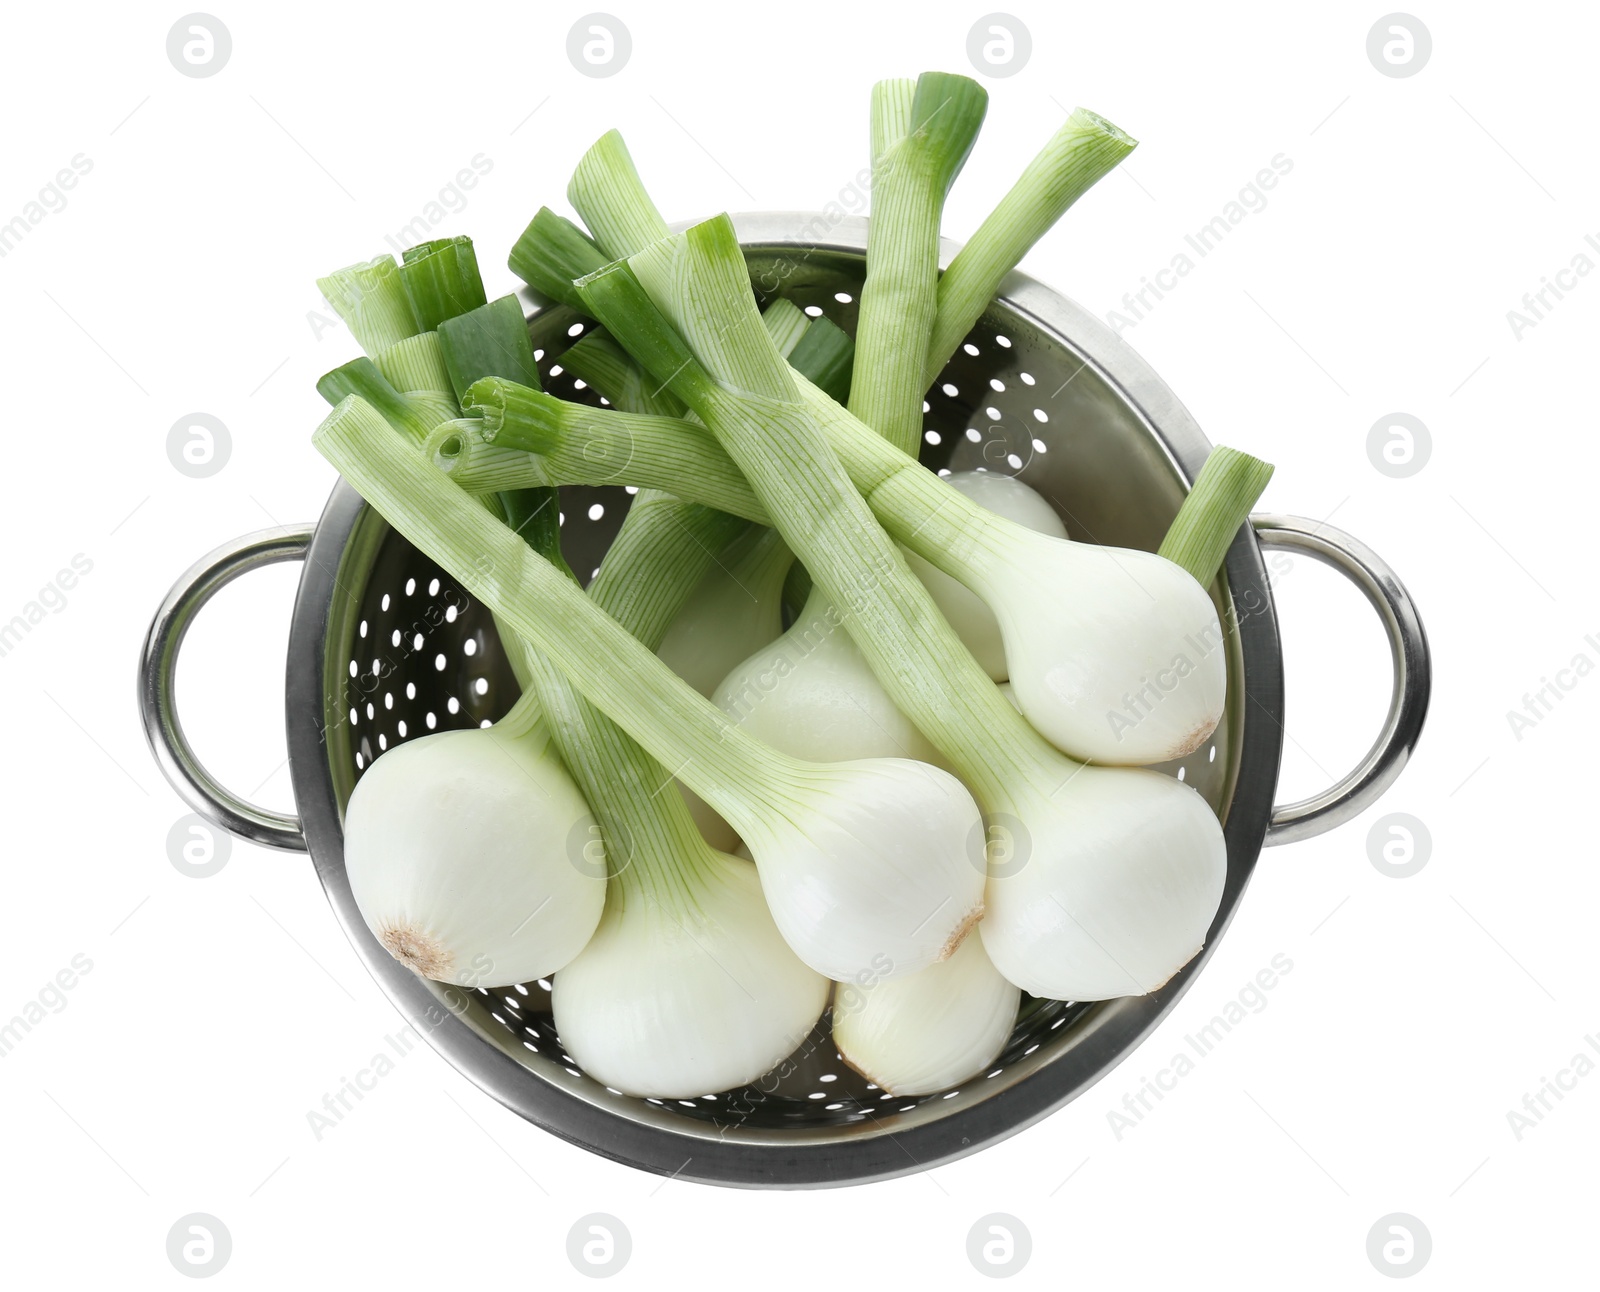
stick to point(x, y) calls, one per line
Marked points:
point(603, 364)
point(551, 253)
point(662, 554)
point(556, 843)
point(681, 993)
point(415, 366)
point(363, 377)
point(441, 280)
point(738, 607)
point(608, 196)
point(444, 831)
point(457, 848)
point(860, 862)
point(687, 985)
point(425, 372)
point(372, 303)
point(1124, 869)
point(928, 1031)
point(920, 143)
point(968, 614)
point(812, 694)
point(1126, 670)
point(1086, 148)
point(735, 612)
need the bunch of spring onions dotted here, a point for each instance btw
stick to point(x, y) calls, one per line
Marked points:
point(908, 788)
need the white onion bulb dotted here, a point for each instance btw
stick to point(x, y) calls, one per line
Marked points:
point(735, 610)
point(872, 863)
point(1147, 679)
point(973, 621)
point(930, 1031)
point(812, 695)
point(1110, 887)
point(459, 852)
point(675, 999)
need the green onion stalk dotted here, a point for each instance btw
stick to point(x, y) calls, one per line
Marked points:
point(687, 985)
point(737, 608)
point(920, 143)
point(430, 333)
point(1084, 150)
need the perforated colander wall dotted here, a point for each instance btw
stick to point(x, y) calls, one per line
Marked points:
point(424, 657)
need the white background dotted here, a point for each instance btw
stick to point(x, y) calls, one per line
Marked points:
point(1419, 1011)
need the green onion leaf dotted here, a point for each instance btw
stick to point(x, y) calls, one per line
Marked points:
point(371, 301)
point(920, 150)
point(441, 280)
point(610, 371)
point(1226, 489)
point(1086, 148)
point(551, 253)
point(825, 355)
point(611, 200)
point(362, 377)
point(490, 341)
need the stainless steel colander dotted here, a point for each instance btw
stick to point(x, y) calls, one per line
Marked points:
point(385, 647)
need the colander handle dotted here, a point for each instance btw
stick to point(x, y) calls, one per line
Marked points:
point(159, 662)
point(1413, 675)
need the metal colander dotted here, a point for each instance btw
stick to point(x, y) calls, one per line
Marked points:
point(385, 647)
